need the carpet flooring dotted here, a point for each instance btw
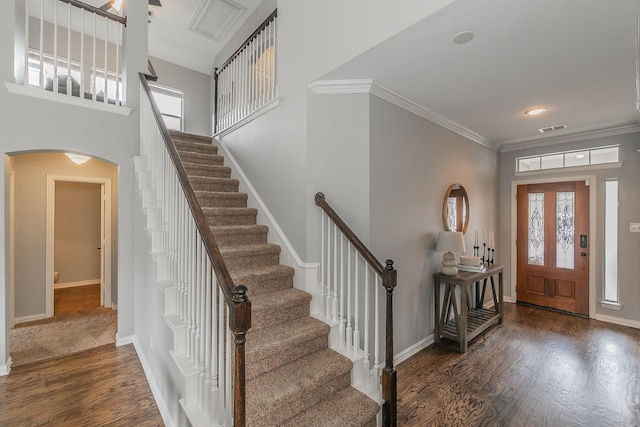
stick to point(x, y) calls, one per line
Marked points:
point(61, 335)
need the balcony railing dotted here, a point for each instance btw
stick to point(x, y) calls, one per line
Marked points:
point(73, 49)
point(246, 82)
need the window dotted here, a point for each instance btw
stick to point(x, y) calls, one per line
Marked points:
point(611, 241)
point(170, 102)
point(567, 159)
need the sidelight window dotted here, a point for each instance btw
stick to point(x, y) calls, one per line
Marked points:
point(611, 241)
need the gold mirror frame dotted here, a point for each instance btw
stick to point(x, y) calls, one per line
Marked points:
point(458, 192)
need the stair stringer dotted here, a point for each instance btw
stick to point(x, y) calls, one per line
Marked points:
point(306, 278)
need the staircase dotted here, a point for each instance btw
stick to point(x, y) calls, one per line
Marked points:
point(293, 378)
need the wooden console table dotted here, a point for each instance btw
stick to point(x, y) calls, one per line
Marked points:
point(470, 318)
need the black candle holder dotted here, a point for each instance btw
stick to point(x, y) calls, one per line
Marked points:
point(484, 249)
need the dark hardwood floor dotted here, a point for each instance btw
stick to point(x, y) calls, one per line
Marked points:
point(104, 386)
point(540, 368)
point(78, 298)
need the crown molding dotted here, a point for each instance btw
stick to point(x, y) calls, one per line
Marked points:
point(601, 133)
point(334, 87)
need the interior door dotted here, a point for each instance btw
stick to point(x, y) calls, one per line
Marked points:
point(553, 245)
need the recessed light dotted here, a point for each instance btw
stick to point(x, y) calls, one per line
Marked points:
point(535, 111)
point(463, 37)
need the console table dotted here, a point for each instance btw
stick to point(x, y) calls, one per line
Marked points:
point(469, 318)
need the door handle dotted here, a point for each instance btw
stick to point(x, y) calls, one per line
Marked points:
point(583, 254)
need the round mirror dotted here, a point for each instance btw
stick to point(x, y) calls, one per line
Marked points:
point(455, 210)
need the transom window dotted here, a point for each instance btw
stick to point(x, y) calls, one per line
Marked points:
point(567, 159)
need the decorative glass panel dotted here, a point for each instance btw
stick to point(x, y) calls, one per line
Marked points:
point(452, 219)
point(565, 219)
point(552, 161)
point(536, 229)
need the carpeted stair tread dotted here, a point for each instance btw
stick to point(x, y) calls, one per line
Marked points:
point(286, 391)
point(346, 408)
point(230, 216)
point(203, 159)
point(249, 256)
point(282, 306)
point(221, 199)
point(198, 169)
point(190, 136)
point(239, 235)
point(265, 343)
point(213, 184)
point(184, 146)
point(260, 280)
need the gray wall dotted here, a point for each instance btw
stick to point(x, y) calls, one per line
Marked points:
point(413, 162)
point(77, 232)
point(196, 88)
point(629, 211)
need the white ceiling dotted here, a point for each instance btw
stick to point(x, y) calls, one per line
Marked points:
point(575, 57)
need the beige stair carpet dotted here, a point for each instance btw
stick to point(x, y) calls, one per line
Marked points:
point(293, 378)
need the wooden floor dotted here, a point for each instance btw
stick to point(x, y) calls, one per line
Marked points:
point(540, 368)
point(77, 298)
point(99, 387)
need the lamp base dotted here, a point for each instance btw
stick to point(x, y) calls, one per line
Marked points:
point(449, 264)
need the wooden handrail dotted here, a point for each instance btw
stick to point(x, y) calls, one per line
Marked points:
point(389, 276)
point(235, 295)
point(100, 12)
point(350, 235)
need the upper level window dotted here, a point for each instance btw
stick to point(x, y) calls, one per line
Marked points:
point(170, 102)
point(567, 159)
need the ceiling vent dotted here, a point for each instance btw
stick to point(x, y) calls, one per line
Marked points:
point(552, 128)
point(215, 18)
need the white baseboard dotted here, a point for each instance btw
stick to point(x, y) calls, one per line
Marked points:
point(413, 350)
point(30, 318)
point(618, 321)
point(160, 403)
point(120, 341)
point(75, 284)
point(6, 368)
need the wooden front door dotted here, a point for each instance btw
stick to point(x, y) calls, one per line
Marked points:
point(553, 245)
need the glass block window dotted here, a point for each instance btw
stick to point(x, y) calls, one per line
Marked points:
point(536, 229)
point(567, 159)
point(565, 220)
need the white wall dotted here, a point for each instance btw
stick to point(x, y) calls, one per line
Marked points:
point(196, 89)
point(629, 211)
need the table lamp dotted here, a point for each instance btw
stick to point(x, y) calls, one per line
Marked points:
point(450, 242)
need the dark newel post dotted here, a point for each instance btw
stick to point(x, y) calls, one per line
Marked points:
point(215, 101)
point(239, 323)
point(389, 375)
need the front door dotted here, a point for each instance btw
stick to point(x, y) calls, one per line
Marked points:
point(553, 245)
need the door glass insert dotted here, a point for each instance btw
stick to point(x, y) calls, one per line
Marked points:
point(536, 229)
point(565, 218)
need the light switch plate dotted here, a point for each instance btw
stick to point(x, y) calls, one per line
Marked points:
point(634, 227)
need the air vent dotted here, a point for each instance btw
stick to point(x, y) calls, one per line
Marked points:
point(552, 128)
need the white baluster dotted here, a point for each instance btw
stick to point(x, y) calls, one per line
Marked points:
point(322, 263)
point(25, 74)
point(334, 307)
point(349, 329)
point(356, 312)
point(366, 320)
point(55, 47)
point(327, 304)
point(376, 330)
point(69, 84)
point(41, 47)
point(106, 60)
point(228, 382)
point(94, 65)
point(82, 70)
point(118, 72)
point(343, 287)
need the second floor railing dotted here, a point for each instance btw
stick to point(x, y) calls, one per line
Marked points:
point(246, 82)
point(211, 312)
point(350, 278)
point(74, 49)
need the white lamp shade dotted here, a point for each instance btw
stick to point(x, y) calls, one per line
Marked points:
point(451, 241)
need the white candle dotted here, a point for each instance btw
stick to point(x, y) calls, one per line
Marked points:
point(485, 236)
point(491, 241)
point(475, 243)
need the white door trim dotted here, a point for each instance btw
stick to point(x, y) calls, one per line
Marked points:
point(105, 286)
point(591, 183)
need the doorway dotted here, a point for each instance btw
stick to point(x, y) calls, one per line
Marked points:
point(99, 246)
point(553, 245)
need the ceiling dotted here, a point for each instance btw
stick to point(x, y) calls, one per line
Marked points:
point(577, 58)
